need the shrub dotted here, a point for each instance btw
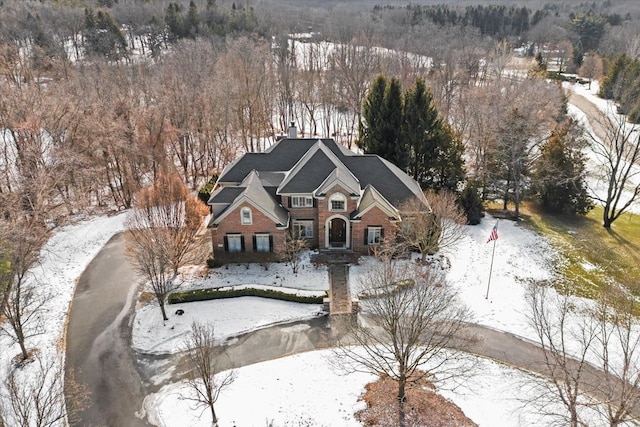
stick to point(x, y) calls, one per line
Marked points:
point(471, 203)
point(205, 191)
point(215, 293)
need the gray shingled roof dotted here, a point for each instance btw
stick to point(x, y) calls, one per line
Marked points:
point(371, 169)
point(393, 184)
point(311, 175)
point(252, 191)
point(370, 197)
point(281, 157)
point(226, 195)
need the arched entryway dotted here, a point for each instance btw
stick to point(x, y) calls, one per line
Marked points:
point(337, 232)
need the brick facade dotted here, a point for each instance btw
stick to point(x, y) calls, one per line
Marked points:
point(374, 217)
point(325, 212)
point(310, 213)
point(232, 225)
point(320, 214)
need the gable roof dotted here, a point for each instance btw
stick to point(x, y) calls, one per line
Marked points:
point(339, 176)
point(254, 193)
point(313, 166)
point(372, 198)
point(313, 170)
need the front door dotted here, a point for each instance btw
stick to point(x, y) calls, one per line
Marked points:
point(337, 233)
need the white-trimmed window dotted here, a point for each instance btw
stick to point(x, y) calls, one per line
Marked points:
point(234, 242)
point(245, 216)
point(374, 235)
point(337, 202)
point(262, 243)
point(303, 228)
point(301, 202)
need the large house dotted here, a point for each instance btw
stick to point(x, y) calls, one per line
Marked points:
point(312, 188)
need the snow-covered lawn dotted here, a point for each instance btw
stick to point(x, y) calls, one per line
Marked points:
point(230, 317)
point(62, 261)
point(306, 390)
point(279, 274)
point(520, 255)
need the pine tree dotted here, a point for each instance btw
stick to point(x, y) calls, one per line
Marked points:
point(435, 152)
point(102, 35)
point(381, 128)
point(175, 21)
point(392, 145)
point(609, 87)
point(192, 21)
point(372, 116)
point(471, 202)
point(560, 173)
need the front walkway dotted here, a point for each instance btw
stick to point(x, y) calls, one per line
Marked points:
point(339, 295)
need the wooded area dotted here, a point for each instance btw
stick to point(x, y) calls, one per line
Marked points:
point(98, 96)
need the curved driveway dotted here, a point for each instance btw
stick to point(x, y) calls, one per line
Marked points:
point(99, 337)
point(98, 340)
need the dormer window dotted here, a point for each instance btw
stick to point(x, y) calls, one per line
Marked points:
point(245, 216)
point(338, 202)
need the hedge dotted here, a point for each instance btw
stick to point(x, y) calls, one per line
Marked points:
point(215, 293)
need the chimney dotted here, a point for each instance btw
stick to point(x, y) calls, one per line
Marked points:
point(293, 132)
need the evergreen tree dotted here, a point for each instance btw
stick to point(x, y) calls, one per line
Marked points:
point(102, 36)
point(192, 21)
point(370, 127)
point(408, 131)
point(392, 145)
point(435, 152)
point(560, 173)
point(175, 21)
point(471, 202)
point(609, 87)
point(381, 128)
point(589, 28)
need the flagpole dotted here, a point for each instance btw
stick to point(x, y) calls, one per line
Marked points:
point(491, 265)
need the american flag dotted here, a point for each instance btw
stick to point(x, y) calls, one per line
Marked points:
point(494, 233)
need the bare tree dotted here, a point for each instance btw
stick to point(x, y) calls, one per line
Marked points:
point(591, 67)
point(618, 353)
point(565, 344)
point(412, 326)
point(438, 226)
point(22, 302)
point(617, 152)
point(294, 245)
point(35, 400)
point(205, 379)
point(163, 234)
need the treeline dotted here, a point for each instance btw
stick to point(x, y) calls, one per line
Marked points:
point(60, 32)
point(622, 84)
point(492, 20)
point(499, 21)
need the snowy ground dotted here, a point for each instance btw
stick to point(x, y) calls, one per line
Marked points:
point(520, 255)
point(62, 261)
point(232, 317)
point(596, 181)
point(307, 390)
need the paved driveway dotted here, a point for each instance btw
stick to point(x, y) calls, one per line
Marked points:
point(99, 336)
point(98, 339)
